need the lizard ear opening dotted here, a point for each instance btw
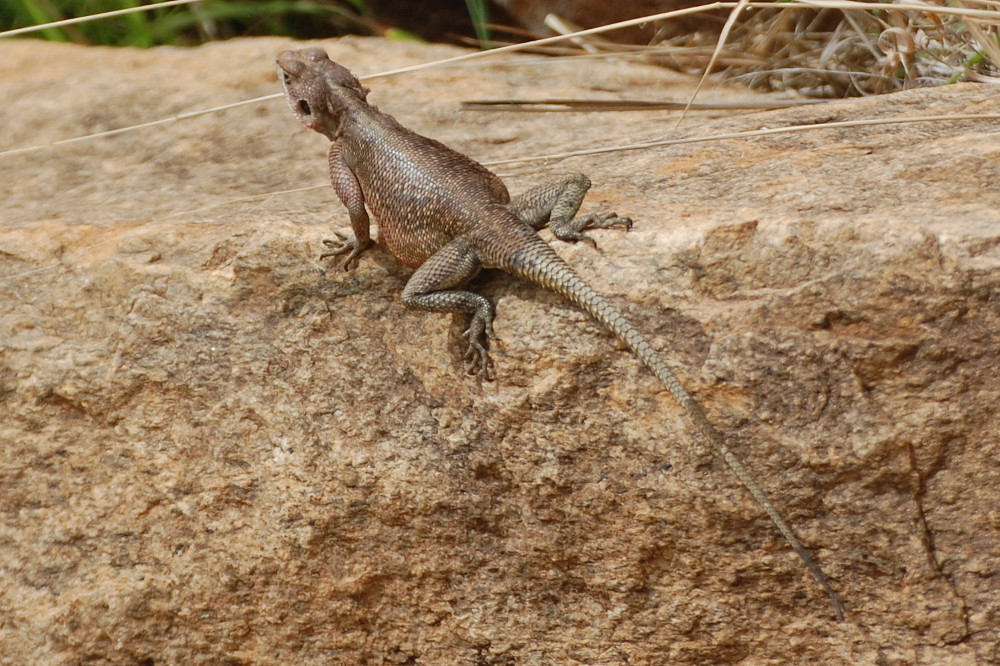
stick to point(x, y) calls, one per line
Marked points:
point(304, 108)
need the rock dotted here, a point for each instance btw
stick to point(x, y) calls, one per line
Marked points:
point(217, 449)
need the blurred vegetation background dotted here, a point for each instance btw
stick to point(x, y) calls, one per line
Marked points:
point(210, 20)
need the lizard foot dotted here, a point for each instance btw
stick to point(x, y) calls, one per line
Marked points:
point(572, 230)
point(477, 359)
point(342, 245)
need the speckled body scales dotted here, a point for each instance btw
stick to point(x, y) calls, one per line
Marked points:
point(449, 217)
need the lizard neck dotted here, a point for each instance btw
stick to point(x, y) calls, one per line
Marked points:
point(342, 115)
point(358, 118)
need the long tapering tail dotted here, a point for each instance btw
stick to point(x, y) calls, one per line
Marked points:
point(541, 265)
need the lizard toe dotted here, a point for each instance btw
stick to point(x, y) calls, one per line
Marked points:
point(343, 245)
point(477, 358)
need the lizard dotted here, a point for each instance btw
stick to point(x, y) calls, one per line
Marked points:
point(448, 217)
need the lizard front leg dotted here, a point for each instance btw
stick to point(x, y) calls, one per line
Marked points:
point(432, 287)
point(348, 190)
point(555, 204)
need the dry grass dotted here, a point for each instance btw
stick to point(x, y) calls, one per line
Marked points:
point(823, 48)
point(842, 49)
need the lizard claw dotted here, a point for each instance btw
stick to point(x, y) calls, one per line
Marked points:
point(574, 236)
point(572, 230)
point(608, 220)
point(477, 359)
point(342, 245)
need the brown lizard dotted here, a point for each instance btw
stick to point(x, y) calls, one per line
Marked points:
point(449, 217)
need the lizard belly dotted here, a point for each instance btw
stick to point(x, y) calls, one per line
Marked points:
point(405, 247)
point(412, 239)
point(416, 234)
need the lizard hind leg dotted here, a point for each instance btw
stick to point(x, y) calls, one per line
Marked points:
point(555, 205)
point(432, 287)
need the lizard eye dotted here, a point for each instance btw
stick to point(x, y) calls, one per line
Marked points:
point(287, 77)
point(304, 108)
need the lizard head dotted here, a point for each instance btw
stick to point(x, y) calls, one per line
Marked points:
point(318, 90)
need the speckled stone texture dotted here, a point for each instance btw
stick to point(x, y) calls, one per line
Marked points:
point(215, 449)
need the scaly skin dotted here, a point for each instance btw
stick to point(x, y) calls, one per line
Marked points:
point(449, 217)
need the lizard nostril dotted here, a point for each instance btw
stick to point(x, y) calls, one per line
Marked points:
point(304, 108)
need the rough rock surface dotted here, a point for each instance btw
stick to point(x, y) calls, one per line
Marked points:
point(215, 449)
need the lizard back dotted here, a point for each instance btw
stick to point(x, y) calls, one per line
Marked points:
point(421, 193)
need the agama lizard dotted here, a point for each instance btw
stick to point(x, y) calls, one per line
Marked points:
point(448, 216)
